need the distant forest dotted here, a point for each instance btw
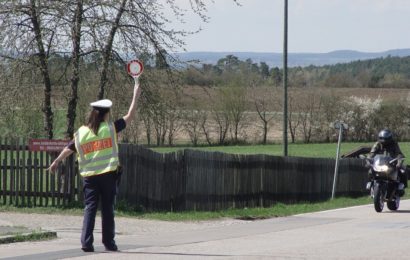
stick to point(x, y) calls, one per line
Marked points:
point(388, 72)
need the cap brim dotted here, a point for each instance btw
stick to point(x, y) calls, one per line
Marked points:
point(104, 103)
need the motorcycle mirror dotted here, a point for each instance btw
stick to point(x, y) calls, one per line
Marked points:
point(393, 161)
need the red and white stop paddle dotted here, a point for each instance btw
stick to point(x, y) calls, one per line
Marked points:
point(135, 68)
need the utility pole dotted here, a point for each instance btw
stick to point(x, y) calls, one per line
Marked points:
point(285, 81)
point(339, 125)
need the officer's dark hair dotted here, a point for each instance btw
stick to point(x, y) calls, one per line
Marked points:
point(96, 117)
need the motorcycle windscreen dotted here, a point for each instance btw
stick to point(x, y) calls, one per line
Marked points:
point(382, 167)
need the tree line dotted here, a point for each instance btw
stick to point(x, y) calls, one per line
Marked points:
point(387, 72)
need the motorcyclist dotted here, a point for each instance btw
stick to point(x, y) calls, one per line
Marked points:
point(388, 146)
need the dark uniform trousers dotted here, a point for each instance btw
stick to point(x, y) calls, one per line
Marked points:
point(95, 187)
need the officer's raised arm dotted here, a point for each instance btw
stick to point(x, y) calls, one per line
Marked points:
point(131, 111)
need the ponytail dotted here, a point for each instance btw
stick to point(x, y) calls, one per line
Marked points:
point(96, 117)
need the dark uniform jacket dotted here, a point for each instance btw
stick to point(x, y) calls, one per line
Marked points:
point(392, 150)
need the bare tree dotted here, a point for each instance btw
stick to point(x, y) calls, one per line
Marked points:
point(147, 119)
point(221, 115)
point(205, 128)
point(235, 103)
point(174, 124)
point(28, 32)
point(221, 119)
point(329, 112)
point(309, 116)
point(192, 119)
point(263, 105)
point(159, 122)
point(293, 118)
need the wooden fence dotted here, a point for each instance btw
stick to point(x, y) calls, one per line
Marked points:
point(183, 180)
point(24, 180)
point(196, 180)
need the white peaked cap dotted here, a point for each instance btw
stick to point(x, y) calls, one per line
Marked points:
point(103, 103)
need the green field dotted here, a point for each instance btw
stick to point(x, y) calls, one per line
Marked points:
point(324, 150)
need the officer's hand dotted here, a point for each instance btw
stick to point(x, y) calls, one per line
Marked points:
point(53, 167)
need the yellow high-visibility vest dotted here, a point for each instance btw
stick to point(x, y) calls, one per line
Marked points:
point(97, 154)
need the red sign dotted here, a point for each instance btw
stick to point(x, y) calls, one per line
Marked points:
point(47, 145)
point(135, 68)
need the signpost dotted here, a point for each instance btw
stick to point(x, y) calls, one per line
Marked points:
point(340, 126)
point(47, 145)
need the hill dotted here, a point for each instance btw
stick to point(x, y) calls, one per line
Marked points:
point(294, 59)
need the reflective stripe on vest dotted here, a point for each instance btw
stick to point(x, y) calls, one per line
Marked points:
point(97, 154)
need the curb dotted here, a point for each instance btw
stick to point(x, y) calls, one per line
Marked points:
point(32, 236)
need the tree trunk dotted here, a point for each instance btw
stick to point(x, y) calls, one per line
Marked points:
point(171, 132)
point(75, 77)
point(236, 132)
point(292, 131)
point(147, 124)
point(206, 133)
point(48, 113)
point(265, 131)
point(163, 135)
point(108, 49)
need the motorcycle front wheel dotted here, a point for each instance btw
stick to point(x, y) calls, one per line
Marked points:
point(378, 198)
point(394, 205)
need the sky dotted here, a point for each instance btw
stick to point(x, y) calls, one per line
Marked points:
point(314, 26)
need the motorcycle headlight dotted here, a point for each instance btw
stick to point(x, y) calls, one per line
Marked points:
point(381, 168)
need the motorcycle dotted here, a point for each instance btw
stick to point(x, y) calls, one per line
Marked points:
point(386, 185)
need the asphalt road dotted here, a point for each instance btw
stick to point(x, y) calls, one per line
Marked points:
point(351, 233)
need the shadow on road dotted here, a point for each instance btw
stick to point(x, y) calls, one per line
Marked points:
point(398, 211)
point(185, 254)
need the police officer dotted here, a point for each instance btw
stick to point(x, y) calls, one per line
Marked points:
point(387, 145)
point(97, 148)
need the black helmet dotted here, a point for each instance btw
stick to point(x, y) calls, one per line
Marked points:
point(385, 136)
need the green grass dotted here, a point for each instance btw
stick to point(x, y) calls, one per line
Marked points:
point(324, 150)
point(31, 236)
point(278, 210)
point(72, 210)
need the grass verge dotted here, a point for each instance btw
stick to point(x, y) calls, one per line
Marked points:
point(278, 210)
point(31, 236)
point(76, 210)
